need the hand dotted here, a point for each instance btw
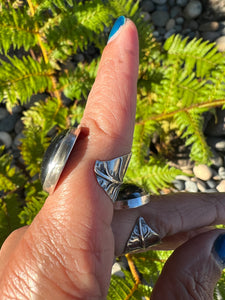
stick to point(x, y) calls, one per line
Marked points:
point(68, 250)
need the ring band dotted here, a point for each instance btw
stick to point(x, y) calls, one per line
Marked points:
point(142, 237)
point(110, 174)
point(131, 196)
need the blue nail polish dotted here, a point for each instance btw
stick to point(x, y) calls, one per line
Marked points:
point(219, 249)
point(119, 22)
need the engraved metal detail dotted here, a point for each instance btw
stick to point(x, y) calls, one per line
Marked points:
point(110, 174)
point(142, 237)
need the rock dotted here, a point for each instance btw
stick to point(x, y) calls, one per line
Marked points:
point(217, 160)
point(216, 128)
point(182, 3)
point(3, 113)
point(179, 185)
point(203, 172)
point(162, 7)
point(159, 18)
point(201, 185)
point(211, 184)
point(182, 177)
point(8, 124)
point(209, 26)
point(179, 20)
point(169, 33)
point(171, 2)
point(215, 9)
point(146, 16)
point(211, 191)
point(178, 28)
point(170, 24)
point(175, 11)
point(221, 172)
point(19, 126)
point(210, 36)
point(148, 6)
point(5, 139)
point(17, 140)
point(191, 186)
point(16, 109)
point(221, 187)
point(217, 143)
point(220, 43)
point(159, 1)
point(193, 9)
point(116, 270)
point(155, 34)
point(193, 25)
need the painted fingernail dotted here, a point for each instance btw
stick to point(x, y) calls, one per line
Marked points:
point(116, 28)
point(219, 249)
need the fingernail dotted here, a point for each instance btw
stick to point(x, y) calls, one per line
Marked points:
point(116, 28)
point(219, 249)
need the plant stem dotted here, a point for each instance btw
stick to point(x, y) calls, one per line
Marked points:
point(134, 274)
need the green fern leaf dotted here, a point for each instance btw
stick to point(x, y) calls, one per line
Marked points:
point(20, 79)
point(17, 28)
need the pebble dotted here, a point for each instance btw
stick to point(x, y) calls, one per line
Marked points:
point(171, 2)
point(221, 172)
point(170, 24)
point(148, 6)
point(7, 124)
point(211, 191)
point(217, 160)
point(221, 187)
point(209, 26)
point(3, 113)
point(162, 7)
point(18, 126)
point(159, 1)
point(203, 172)
point(193, 9)
point(17, 139)
point(179, 185)
point(146, 16)
point(193, 25)
point(182, 177)
point(191, 186)
point(220, 43)
point(116, 270)
point(182, 3)
point(211, 184)
point(5, 139)
point(201, 185)
point(216, 143)
point(169, 33)
point(210, 35)
point(159, 18)
point(179, 20)
point(175, 11)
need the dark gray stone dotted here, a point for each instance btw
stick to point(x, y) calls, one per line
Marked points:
point(159, 18)
point(182, 3)
point(175, 11)
point(210, 36)
point(5, 139)
point(9, 123)
point(3, 113)
point(179, 20)
point(148, 6)
point(159, 1)
point(163, 7)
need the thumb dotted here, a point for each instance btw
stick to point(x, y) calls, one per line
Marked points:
point(193, 269)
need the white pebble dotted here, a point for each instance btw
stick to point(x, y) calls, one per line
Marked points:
point(221, 187)
point(203, 172)
point(191, 186)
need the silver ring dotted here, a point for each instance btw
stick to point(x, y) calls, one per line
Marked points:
point(141, 238)
point(131, 196)
point(56, 156)
point(110, 174)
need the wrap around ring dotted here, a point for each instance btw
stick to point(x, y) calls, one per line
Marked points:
point(142, 237)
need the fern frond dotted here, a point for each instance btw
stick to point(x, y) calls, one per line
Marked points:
point(153, 176)
point(9, 210)
point(17, 29)
point(196, 54)
point(38, 121)
point(79, 82)
point(10, 177)
point(33, 206)
point(190, 123)
point(20, 79)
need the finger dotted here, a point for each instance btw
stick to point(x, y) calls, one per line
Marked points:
point(171, 215)
point(9, 246)
point(70, 245)
point(193, 269)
